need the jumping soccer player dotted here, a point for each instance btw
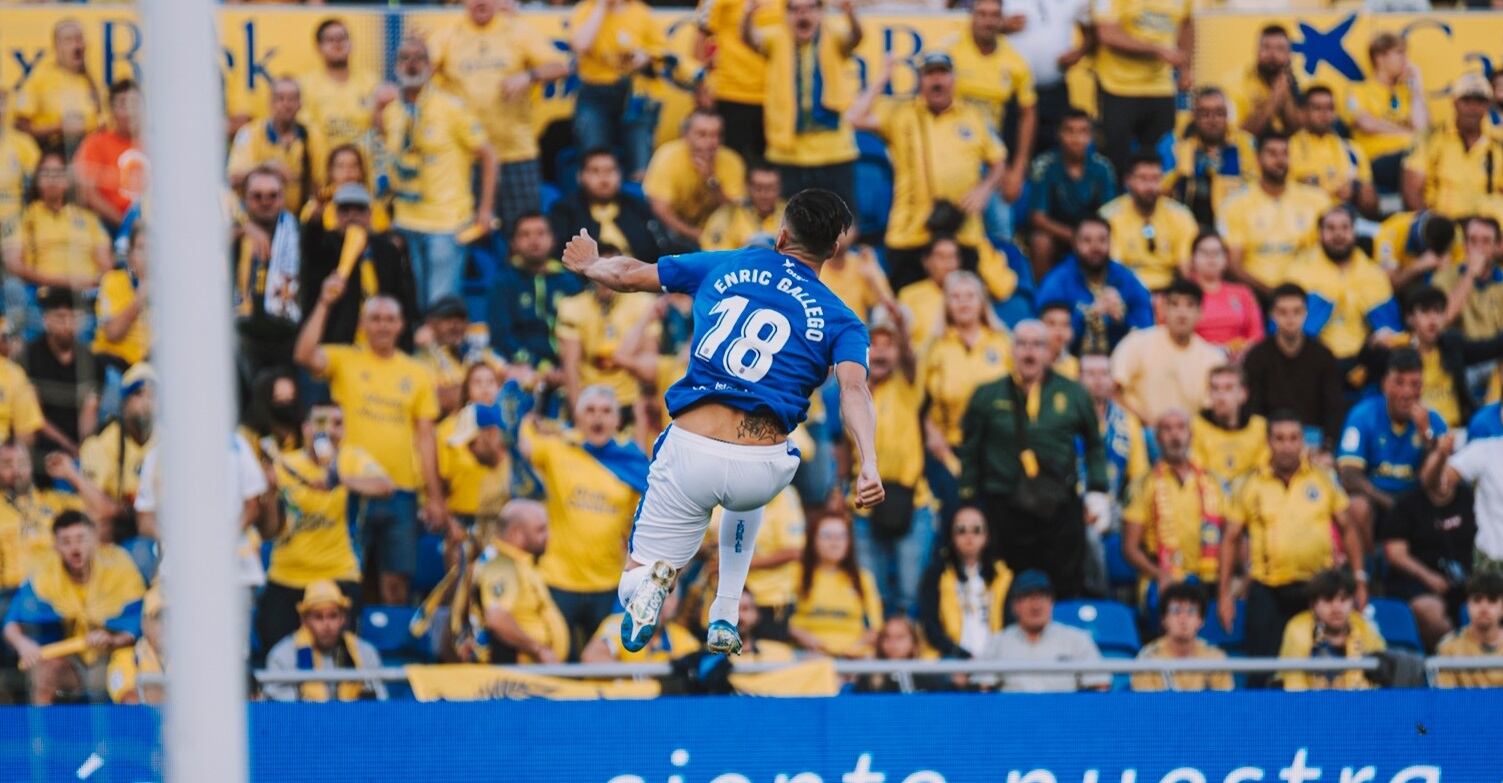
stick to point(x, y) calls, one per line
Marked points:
point(766, 333)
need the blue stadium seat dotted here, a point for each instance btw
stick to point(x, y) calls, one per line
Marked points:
point(633, 189)
point(1110, 624)
point(1228, 640)
point(1396, 623)
point(385, 627)
point(550, 196)
point(430, 564)
point(1119, 573)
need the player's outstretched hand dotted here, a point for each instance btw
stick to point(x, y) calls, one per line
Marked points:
point(581, 252)
point(869, 491)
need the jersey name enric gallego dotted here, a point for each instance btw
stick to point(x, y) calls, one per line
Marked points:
point(766, 331)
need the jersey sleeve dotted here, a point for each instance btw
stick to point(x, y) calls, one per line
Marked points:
point(851, 345)
point(1352, 451)
point(684, 273)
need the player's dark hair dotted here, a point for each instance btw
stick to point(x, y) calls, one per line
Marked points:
point(1182, 287)
point(516, 222)
point(1426, 299)
point(815, 219)
point(1183, 592)
point(1485, 584)
point(1330, 583)
point(323, 27)
point(68, 519)
point(1143, 159)
point(1286, 291)
point(1404, 360)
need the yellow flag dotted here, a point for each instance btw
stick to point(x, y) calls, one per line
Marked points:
point(813, 678)
point(475, 682)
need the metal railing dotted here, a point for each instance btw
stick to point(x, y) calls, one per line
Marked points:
point(905, 671)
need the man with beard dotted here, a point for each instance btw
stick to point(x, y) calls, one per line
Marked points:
point(266, 263)
point(616, 218)
point(64, 374)
point(436, 143)
point(322, 642)
point(1106, 299)
point(939, 147)
point(1349, 295)
point(734, 224)
point(523, 302)
point(1212, 161)
point(112, 458)
point(1151, 234)
point(1268, 96)
point(1272, 223)
point(1019, 462)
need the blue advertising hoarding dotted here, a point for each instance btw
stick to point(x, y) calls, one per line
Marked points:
point(1381, 737)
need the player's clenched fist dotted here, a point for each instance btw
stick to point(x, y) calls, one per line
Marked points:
point(869, 490)
point(580, 252)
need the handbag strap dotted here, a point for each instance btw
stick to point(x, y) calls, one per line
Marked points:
point(1029, 460)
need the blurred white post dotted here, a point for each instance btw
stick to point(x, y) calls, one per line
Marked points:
point(205, 724)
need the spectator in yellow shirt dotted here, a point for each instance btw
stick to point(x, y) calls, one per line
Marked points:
point(839, 610)
point(924, 300)
point(338, 101)
point(1267, 98)
point(613, 40)
point(58, 244)
point(1388, 110)
point(124, 333)
point(435, 144)
point(317, 485)
point(595, 482)
point(1483, 635)
point(1182, 615)
point(805, 56)
point(734, 225)
point(389, 406)
point(1457, 169)
point(1330, 628)
point(493, 65)
point(939, 147)
point(691, 177)
point(737, 74)
point(1319, 156)
point(60, 102)
point(279, 142)
point(19, 156)
point(472, 457)
point(1151, 234)
point(452, 347)
point(1288, 509)
point(1140, 46)
point(26, 511)
point(973, 348)
point(1225, 438)
point(144, 657)
point(111, 458)
point(520, 620)
point(1172, 525)
point(86, 590)
point(1271, 223)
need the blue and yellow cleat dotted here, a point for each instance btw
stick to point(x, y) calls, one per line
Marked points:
point(723, 638)
point(640, 620)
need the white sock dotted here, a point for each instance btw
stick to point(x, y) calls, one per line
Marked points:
point(629, 581)
point(738, 539)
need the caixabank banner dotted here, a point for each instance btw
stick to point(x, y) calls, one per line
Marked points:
point(1247, 737)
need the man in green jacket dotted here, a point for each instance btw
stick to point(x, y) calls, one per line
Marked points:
point(1028, 483)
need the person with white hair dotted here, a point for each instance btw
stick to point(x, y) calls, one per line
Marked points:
point(595, 480)
point(1021, 468)
point(389, 405)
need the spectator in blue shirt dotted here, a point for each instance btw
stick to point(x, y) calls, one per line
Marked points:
point(1385, 440)
point(523, 300)
point(1068, 183)
point(1107, 300)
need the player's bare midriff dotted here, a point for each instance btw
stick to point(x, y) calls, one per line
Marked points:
point(724, 423)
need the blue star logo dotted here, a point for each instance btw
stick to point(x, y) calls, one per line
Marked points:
point(1328, 47)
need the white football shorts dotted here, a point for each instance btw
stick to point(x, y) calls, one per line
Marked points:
point(691, 475)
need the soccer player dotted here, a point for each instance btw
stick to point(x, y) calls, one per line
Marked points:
point(766, 335)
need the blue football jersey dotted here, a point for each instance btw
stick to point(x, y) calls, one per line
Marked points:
point(766, 331)
point(1390, 459)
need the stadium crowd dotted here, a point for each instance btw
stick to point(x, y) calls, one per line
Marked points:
point(1235, 367)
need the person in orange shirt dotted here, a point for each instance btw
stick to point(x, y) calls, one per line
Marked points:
point(110, 165)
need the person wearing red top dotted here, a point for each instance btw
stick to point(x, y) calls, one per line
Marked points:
point(111, 166)
point(1229, 315)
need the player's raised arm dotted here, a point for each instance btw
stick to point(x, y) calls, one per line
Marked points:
point(619, 273)
point(860, 416)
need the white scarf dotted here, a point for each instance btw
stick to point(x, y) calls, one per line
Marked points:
point(281, 295)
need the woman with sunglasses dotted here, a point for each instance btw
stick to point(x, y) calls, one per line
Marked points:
point(964, 593)
point(837, 611)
